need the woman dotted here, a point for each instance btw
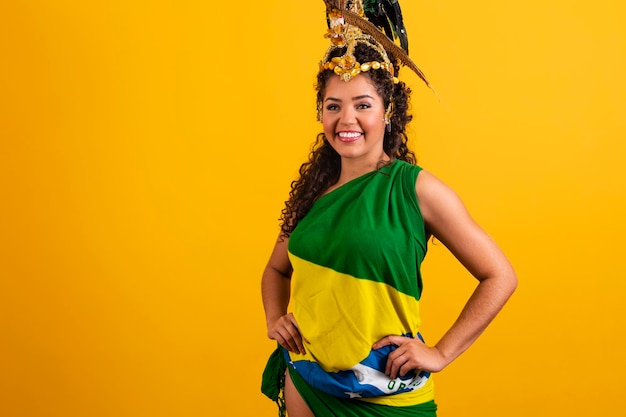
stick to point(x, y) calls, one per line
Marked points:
point(354, 233)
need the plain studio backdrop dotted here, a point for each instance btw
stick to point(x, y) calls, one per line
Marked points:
point(146, 149)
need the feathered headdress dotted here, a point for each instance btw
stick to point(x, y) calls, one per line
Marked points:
point(351, 22)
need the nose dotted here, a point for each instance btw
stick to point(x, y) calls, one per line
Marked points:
point(348, 116)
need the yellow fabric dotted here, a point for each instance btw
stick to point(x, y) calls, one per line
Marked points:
point(339, 328)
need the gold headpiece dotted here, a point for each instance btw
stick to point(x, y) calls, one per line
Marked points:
point(348, 26)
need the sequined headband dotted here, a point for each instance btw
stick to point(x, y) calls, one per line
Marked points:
point(348, 36)
point(351, 23)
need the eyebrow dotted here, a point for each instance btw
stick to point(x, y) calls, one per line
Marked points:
point(353, 98)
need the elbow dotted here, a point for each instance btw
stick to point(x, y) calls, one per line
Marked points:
point(504, 282)
point(510, 282)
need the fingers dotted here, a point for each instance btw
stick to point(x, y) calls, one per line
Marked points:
point(287, 334)
point(405, 358)
point(394, 363)
point(390, 340)
point(400, 365)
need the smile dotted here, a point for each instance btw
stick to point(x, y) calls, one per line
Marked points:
point(349, 136)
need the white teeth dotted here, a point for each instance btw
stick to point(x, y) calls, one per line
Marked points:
point(349, 134)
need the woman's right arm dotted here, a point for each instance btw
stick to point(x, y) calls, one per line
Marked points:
point(276, 289)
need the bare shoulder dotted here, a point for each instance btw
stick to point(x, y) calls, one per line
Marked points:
point(427, 182)
point(438, 202)
point(447, 218)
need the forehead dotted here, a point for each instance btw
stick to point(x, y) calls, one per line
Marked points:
point(357, 86)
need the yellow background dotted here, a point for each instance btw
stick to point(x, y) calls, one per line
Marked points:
point(146, 148)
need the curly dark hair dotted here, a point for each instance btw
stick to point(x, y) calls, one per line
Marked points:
point(324, 164)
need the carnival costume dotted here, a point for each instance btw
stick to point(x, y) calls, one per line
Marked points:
point(356, 259)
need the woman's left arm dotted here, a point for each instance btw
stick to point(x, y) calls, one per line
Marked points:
point(448, 220)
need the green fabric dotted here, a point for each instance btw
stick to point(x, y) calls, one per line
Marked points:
point(273, 381)
point(370, 228)
point(322, 404)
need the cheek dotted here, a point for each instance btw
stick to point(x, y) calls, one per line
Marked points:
point(374, 123)
point(329, 125)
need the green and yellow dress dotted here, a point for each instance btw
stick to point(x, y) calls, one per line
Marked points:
point(356, 278)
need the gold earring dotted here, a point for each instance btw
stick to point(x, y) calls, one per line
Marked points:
point(388, 114)
point(389, 111)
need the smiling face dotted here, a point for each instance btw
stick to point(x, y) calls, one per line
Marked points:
point(352, 115)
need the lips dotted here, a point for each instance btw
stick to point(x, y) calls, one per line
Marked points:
point(349, 136)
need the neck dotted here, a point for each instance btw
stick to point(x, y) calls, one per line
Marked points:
point(354, 168)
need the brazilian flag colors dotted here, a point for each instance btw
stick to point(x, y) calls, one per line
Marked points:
point(356, 259)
